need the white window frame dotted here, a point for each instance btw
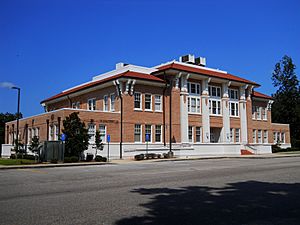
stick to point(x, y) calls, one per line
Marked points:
point(236, 109)
point(29, 136)
point(92, 132)
point(282, 139)
point(91, 106)
point(237, 135)
point(148, 94)
point(259, 136)
point(264, 113)
point(266, 136)
point(235, 94)
point(158, 103)
point(199, 129)
point(140, 128)
point(101, 132)
point(254, 136)
point(112, 102)
point(150, 141)
point(258, 112)
point(197, 105)
point(160, 128)
point(105, 103)
point(275, 137)
point(191, 140)
point(197, 88)
point(253, 112)
point(231, 135)
point(218, 107)
point(218, 90)
point(56, 131)
point(140, 100)
point(76, 105)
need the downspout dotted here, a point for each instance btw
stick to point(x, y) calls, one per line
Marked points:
point(164, 110)
point(119, 91)
point(170, 126)
point(70, 101)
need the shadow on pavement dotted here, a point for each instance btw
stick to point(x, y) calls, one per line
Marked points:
point(248, 203)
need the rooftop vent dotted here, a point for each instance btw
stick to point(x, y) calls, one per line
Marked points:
point(200, 61)
point(187, 59)
point(121, 65)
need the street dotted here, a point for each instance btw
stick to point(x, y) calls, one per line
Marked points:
point(215, 191)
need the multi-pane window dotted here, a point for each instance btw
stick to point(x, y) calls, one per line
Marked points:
point(158, 133)
point(215, 107)
point(214, 91)
point(194, 104)
point(148, 102)
point(91, 132)
point(233, 94)
point(237, 135)
point(92, 104)
point(76, 105)
point(282, 138)
point(158, 104)
point(259, 138)
point(231, 135)
point(137, 133)
point(112, 102)
point(253, 112)
point(193, 88)
point(102, 132)
point(56, 132)
point(254, 136)
point(198, 134)
point(51, 133)
point(105, 103)
point(264, 113)
point(258, 112)
point(234, 108)
point(29, 136)
point(265, 136)
point(190, 131)
point(137, 101)
point(274, 137)
point(148, 132)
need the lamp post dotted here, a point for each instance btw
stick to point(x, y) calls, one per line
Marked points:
point(18, 116)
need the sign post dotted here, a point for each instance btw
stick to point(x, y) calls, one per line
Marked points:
point(108, 140)
point(63, 138)
point(147, 140)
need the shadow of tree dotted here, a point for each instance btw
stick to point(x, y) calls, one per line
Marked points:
point(248, 202)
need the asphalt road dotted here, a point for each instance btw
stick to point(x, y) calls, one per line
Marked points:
point(216, 191)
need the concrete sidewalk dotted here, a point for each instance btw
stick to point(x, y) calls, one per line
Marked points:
point(128, 161)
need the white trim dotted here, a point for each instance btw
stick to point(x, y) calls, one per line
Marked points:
point(161, 132)
point(151, 133)
point(104, 103)
point(151, 102)
point(141, 134)
point(110, 105)
point(88, 104)
point(141, 101)
point(161, 102)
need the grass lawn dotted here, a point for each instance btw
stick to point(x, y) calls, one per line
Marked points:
point(9, 162)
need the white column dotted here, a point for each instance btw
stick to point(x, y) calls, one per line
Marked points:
point(205, 111)
point(184, 122)
point(243, 115)
point(225, 113)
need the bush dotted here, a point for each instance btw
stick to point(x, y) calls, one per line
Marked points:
point(168, 155)
point(30, 157)
point(67, 160)
point(139, 157)
point(99, 158)
point(89, 157)
point(54, 160)
point(13, 156)
point(74, 159)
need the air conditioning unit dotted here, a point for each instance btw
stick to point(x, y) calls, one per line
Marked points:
point(187, 58)
point(200, 61)
point(121, 65)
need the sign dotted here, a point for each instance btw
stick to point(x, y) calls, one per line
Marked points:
point(147, 137)
point(63, 137)
point(108, 138)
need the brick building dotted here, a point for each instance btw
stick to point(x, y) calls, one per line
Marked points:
point(199, 110)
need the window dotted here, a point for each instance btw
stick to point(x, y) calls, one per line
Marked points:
point(92, 104)
point(190, 134)
point(112, 102)
point(258, 112)
point(137, 133)
point(254, 136)
point(282, 138)
point(234, 109)
point(265, 136)
point(214, 91)
point(193, 88)
point(102, 132)
point(148, 131)
point(215, 107)
point(233, 94)
point(158, 103)
point(29, 136)
point(231, 135)
point(137, 101)
point(237, 135)
point(274, 137)
point(194, 104)
point(158, 133)
point(37, 132)
point(56, 132)
point(259, 136)
point(198, 134)
point(76, 105)
point(105, 103)
point(148, 102)
point(253, 112)
point(264, 113)
point(91, 132)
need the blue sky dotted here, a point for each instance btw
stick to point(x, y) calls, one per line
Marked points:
point(47, 46)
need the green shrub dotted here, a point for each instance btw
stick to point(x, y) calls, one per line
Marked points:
point(99, 158)
point(276, 148)
point(74, 159)
point(54, 161)
point(89, 157)
point(67, 160)
point(30, 157)
point(139, 157)
point(13, 156)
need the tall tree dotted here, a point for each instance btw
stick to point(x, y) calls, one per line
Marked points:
point(286, 106)
point(77, 135)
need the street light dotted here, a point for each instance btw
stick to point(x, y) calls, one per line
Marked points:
point(18, 116)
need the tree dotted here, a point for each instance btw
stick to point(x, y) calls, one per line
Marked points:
point(98, 142)
point(35, 146)
point(286, 106)
point(77, 135)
